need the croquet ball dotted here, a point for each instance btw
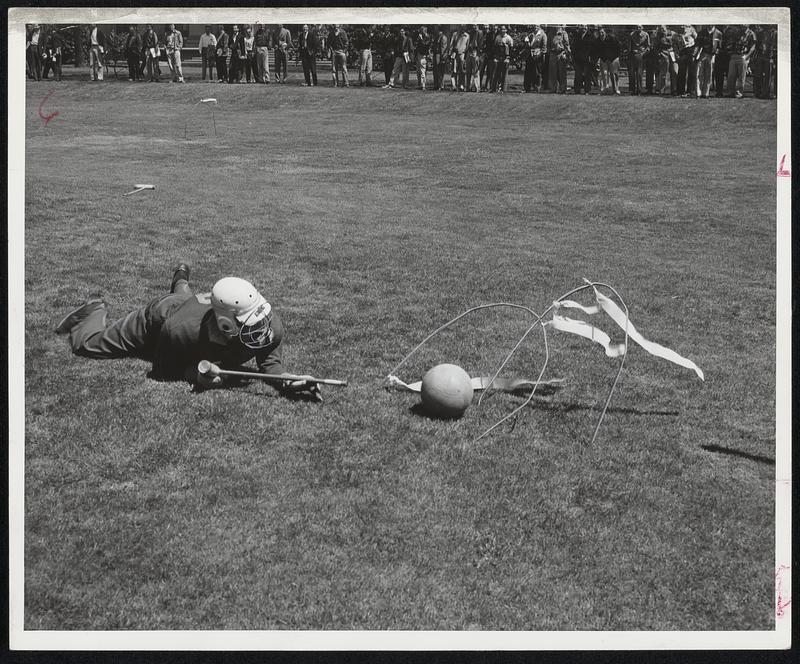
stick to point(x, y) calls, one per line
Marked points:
point(446, 391)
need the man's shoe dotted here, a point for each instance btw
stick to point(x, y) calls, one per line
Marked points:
point(181, 273)
point(75, 316)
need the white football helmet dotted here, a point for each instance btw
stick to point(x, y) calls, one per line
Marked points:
point(242, 311)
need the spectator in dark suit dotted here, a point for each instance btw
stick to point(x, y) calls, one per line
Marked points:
point(582, 44)
point(440, 58)
point(309, 45)
point(363, 39)
point(237, 52)
point(338, 43)
point(474, 53)
point(133, 48)
point(387, 54)
point(609, 50)
point(403, 54)
point(503, 47)
point(223, 50)
point(723, 59)
point(487, 66)
point(53, 46)
point(763, 60)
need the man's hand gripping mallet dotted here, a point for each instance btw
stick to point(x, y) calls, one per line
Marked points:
point(207, 373)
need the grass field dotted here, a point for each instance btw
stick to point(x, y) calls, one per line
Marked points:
point(368, 218)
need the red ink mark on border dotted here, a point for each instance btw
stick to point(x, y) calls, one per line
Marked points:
point(44, 117)
point(781, 603)
point(783, 172)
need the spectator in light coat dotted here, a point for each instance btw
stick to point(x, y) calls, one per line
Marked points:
point(208, 53)
point(282, 40)
point(535, 49)
point(708, 44)
point(173, 43)
point(742, 46)
point(261, 43)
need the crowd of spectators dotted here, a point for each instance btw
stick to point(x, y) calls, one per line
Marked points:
point(687, 61)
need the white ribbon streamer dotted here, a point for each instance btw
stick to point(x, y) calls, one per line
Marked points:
point(583, 329)
point(479, 383)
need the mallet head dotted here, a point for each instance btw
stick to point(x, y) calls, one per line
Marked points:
point(207, 368)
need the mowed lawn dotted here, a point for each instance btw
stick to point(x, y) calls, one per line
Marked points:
point(368, 218)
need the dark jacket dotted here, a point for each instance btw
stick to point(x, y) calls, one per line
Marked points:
point(133, 44)
point(609, 47)
point(403, 45)
point(338, 42)
point(309, 45)
point(708, 43)
point(582, 45)
point(422, 45)
point(149, 40)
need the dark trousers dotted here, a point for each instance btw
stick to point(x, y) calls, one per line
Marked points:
point(721, 62)
point(132, 335)
point(53, 62)
point(651, 63)
point(488, 72)
point(762, 77)
point(687, 75)
point(388, 67)
point(234, 72)
point(439, 71)
point(34, 59)
point(635, 73)
point(250, 70)
point(583, 75)
point(309, 68)
point(208, 63)
point(500, 74)
point(533, 73)
point(153, 68)
point(222, 68)
point(133, 67)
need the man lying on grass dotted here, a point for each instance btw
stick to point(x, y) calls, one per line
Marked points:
point(228, 326)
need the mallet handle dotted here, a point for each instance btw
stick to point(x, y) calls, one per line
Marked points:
point(204, 368)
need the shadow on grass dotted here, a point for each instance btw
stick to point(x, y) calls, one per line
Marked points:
point(418, 410)
point(758, 458)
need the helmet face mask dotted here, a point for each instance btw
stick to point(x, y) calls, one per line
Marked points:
point(241, 311)
point(257, 334)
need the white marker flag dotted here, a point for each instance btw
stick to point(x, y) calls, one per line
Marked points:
point(583, 329)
